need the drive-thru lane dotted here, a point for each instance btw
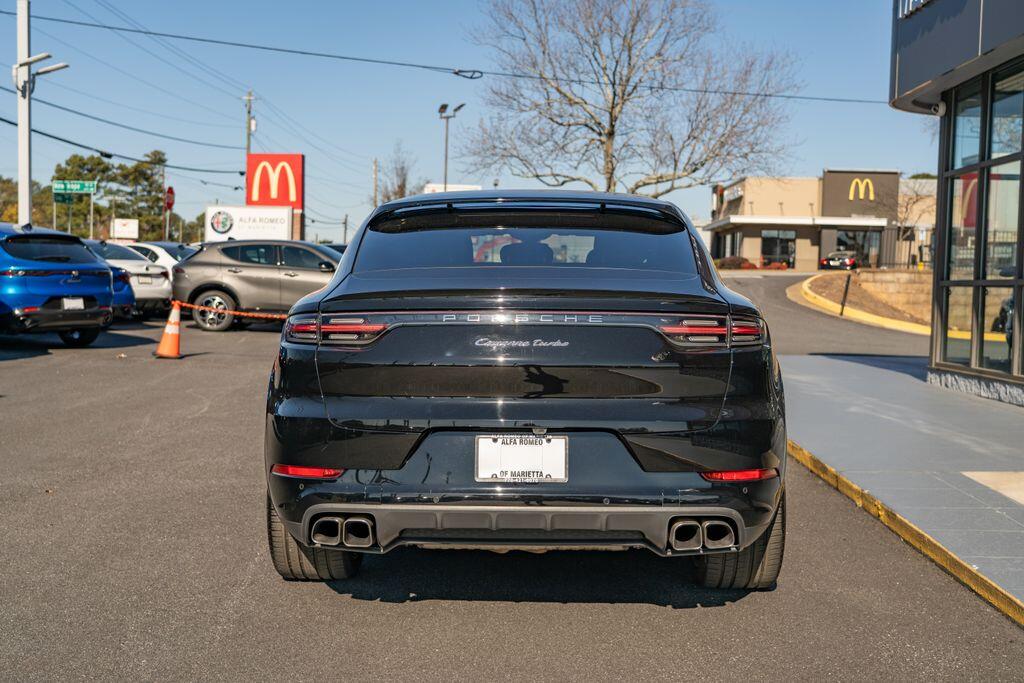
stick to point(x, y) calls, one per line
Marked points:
point(134, 547)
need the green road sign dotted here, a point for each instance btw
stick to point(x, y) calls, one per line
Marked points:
point(63, 198)
point(74, 187)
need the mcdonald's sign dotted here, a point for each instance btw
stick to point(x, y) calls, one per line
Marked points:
point(275, 180)
point(862, 187)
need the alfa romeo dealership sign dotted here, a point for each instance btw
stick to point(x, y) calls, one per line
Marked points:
point(248, 223)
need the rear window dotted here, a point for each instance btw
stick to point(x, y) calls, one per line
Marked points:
point(51, 249)
point(115, 252)
point(662, 247)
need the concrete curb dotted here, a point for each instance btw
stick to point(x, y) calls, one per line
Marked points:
point(829, 306)
point(989, 591)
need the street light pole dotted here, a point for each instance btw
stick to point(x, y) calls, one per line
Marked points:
point(24, 87)
point(24, 83)
point(446, 117)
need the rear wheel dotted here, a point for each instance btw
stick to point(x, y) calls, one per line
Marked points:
point(296, 562)
point(756, 567)
point(219, 318)
point(77, 339)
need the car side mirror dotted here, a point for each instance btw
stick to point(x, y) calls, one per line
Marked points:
point(326, 267)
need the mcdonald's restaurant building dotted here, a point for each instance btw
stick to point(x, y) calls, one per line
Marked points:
point(885, 220)
point(963, 61)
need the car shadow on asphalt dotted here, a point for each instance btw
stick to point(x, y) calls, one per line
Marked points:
point(29, 346)
point(915, 366)
point(414, 575)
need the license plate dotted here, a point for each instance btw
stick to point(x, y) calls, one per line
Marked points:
point(73, 303)
point(522, 458)
point(145, 280)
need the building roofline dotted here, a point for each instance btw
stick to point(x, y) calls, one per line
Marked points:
point(839, 221)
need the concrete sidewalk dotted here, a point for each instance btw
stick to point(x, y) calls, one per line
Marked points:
point(951, 463)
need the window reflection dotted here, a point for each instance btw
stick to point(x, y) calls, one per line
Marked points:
point(1001, 224)
point(997, 321)
point(967, 126)
point(963, 220)
point(1007, 110)
point(958, 326)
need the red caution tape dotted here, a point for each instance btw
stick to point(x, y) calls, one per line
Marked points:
point(242, 314)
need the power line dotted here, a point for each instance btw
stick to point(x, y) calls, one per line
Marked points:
point(122, 105)
point(130, 75)
point(471, 74)
point(107, 155)
point(121, 125)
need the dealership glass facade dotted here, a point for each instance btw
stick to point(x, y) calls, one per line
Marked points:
point(979, 284)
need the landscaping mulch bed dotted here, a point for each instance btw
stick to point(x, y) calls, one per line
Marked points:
point(830, 286)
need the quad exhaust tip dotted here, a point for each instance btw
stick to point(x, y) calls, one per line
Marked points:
point(357, 532)
point(686, 534)
point(718, 534)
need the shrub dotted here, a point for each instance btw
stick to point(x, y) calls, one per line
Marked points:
point(734, 263)
point(778, 265)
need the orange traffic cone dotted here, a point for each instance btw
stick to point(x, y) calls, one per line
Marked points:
point(170, 342)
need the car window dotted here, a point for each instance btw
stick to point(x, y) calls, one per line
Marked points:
point(505, 245)
point(148, 253)
point(53, 249)
point(257, 254)
point(114, 252)
point(297, 257)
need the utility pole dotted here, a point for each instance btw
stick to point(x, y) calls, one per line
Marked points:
point(163, 203)
point(446, 117)
point(24, 83)
point(375, 202)
point(344, 228)
point(249, 123)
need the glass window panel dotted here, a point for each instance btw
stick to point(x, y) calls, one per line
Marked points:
point(778, 246)
point(1007, 111)
point(1001, 221)
point(997, 325)
point(863, 243)
point(958, 326)
point(962, 222)
point(967, 125)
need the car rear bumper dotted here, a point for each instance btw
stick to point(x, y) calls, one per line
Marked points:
point(44, 320)
point(527, 526)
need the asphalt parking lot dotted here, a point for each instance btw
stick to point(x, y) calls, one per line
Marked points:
point(132, 494)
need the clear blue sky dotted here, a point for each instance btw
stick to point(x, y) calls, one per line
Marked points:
point(841, 49)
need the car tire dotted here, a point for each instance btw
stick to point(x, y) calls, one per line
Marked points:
point(214, 322)
point(80, 338)
point(296, 562)
point(756, 567)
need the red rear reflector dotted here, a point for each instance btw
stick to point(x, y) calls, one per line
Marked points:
point(741, 475)
point(306, 472)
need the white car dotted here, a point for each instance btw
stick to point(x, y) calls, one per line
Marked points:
point(166, 254)
point(150, 282)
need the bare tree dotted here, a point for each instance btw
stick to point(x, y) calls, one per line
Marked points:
point(396, 176)
point(625, 95)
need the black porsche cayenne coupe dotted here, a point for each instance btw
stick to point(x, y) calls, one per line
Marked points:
point(527, 370)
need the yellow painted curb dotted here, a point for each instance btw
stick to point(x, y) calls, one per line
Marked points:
point(830, 306)
point(989, 591)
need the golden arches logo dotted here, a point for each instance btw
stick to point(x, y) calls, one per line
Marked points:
point(862, 186)
point(274, 174)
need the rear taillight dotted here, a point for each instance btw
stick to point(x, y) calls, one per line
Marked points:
point(124, 277)
point(302, 329)
point(741, 475)
point(332, 329)
point(165, 274)
point(824, 262)
point(302, 472)
point(10, 272)
point(178, 270)
point(715, 331)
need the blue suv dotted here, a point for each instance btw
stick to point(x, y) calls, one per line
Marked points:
point(50, 282)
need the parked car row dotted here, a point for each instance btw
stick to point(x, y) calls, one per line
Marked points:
point(51, 281)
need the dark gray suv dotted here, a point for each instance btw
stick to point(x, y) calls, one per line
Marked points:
point(258, 275)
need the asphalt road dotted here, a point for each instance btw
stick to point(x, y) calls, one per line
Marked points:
point(133, 546)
